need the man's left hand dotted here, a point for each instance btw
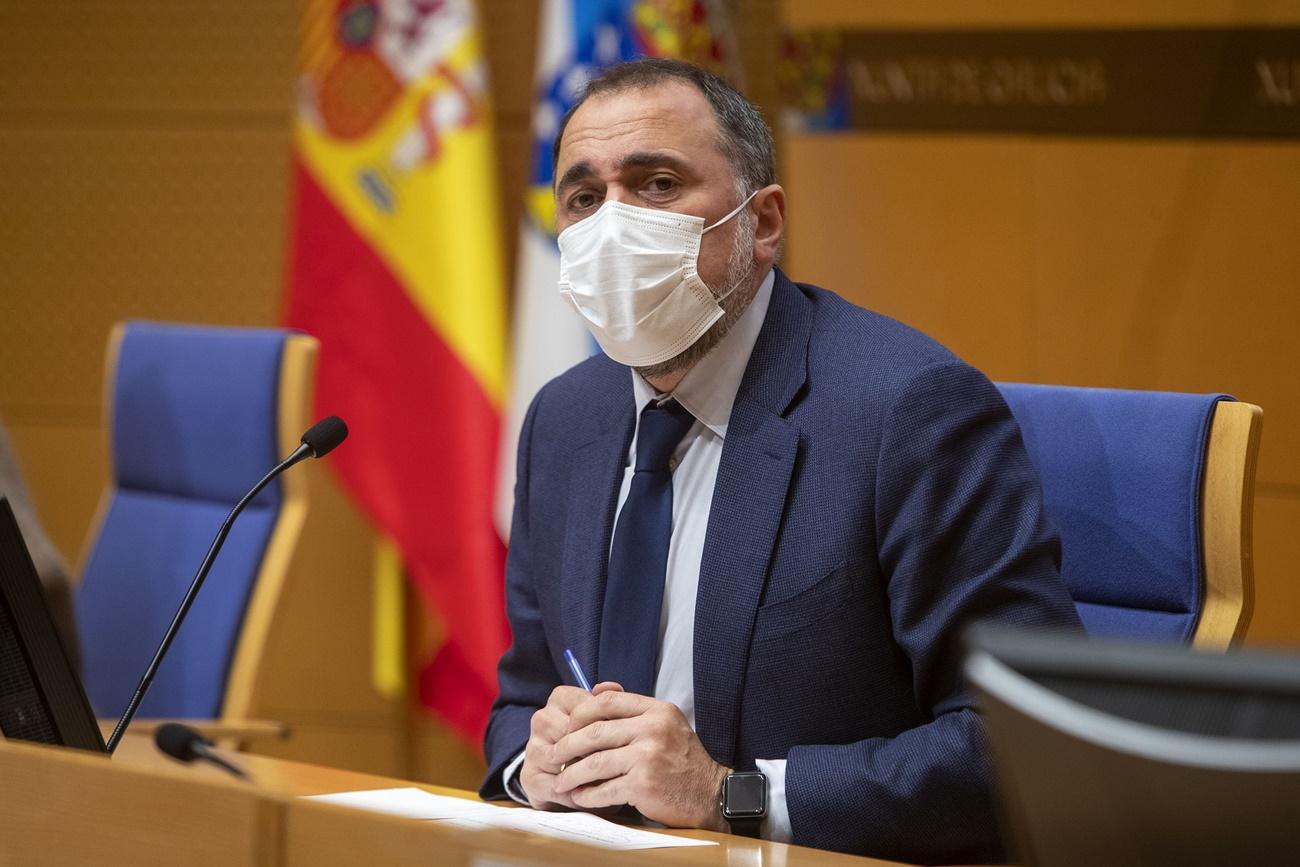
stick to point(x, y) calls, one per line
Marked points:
point(623, 748)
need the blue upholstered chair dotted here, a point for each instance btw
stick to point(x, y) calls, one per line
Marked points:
point(196, 415)
point(1152, 493)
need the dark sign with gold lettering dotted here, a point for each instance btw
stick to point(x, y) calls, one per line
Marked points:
point(1242, 82)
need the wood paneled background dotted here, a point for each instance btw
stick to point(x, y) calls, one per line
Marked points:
point(144, 154)
point(144, 170)
point(1126, 262)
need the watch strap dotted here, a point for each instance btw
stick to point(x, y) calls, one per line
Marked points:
point(746, 827)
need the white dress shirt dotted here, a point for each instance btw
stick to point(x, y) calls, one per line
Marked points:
point(708, 391)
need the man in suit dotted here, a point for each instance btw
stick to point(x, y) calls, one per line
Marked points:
point(760, 519)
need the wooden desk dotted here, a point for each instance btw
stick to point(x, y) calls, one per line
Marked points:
point(68, 807)
point(62, 807)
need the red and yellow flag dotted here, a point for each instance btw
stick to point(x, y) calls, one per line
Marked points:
point(396, 266)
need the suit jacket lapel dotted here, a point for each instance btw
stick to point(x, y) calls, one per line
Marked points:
point(748, 501)
point(593, 497)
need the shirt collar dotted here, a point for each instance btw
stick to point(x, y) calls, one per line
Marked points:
point(709, 389)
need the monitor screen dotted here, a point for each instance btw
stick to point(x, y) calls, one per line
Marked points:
point(1124, 753)
point(41, 698)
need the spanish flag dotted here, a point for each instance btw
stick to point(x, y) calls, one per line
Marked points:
point(395, 264)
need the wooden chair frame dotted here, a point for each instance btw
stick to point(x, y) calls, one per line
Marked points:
point(296, 390)
point(1227, 515)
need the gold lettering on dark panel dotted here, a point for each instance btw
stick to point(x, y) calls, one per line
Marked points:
point(979, 81)
point(1279, 80)
point(1198, 82)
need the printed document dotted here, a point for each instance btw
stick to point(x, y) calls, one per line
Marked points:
point(413, 803)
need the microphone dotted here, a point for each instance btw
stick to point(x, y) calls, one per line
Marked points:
point(317, 442)
point(185, 745)
point(324, 435)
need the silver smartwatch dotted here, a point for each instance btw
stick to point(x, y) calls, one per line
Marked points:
point(743, 802)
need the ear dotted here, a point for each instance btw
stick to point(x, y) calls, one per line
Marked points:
point(769, 204)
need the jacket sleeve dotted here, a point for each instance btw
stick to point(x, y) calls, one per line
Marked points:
point(961, 537)
point(525, 674)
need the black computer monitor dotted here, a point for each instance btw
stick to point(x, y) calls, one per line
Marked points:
point(41, 697)
point(1123, 753)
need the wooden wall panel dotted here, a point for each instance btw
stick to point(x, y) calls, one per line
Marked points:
point(1089, 263)
point(1029, 13)
point(510, 39)
point(1277, 551)
point(200, 63)
point(757, 38)
point(64, 462)
point(144, 156)
point(102, 225)
point(1157, 263)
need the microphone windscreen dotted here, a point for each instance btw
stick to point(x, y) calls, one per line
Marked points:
point(324, 435)
point(178, 741)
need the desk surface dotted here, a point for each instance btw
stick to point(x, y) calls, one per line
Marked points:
point(296, 778)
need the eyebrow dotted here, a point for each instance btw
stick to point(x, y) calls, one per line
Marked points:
point(650, 159)
point(636, 160)
point(577, 172)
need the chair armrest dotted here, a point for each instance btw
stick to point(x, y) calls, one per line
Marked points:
point(212, 729)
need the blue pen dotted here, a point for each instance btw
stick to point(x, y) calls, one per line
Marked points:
point(576, 668)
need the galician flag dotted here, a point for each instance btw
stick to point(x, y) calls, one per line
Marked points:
point(396, 266)
point(578, 38)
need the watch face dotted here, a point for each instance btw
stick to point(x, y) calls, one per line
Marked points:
point(746, 795)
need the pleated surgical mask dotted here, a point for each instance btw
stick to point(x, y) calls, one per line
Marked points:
point(632, 274)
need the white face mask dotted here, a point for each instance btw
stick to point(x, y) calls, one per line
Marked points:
point(631, 273)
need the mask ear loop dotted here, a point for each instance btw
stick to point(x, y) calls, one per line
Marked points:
point(731, 289)
point(733, 213)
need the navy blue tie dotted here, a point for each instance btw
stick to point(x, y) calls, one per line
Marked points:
point(638, 559)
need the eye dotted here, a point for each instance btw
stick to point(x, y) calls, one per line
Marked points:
point(661, 184)
point(582, 201)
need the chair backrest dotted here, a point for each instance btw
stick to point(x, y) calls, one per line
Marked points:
point(1152, 493)
point(196, 415)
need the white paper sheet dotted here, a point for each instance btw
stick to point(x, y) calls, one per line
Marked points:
point(415, 803)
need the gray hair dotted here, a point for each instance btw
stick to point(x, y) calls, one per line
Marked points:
point(743, 136)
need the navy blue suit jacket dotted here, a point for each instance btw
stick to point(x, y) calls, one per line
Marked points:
point(873, 497)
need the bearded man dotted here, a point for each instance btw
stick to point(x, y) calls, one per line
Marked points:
point(759, 520)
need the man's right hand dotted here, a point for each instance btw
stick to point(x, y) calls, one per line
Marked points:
point(538, 773)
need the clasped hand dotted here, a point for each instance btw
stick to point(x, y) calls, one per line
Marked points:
point(607, 748)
